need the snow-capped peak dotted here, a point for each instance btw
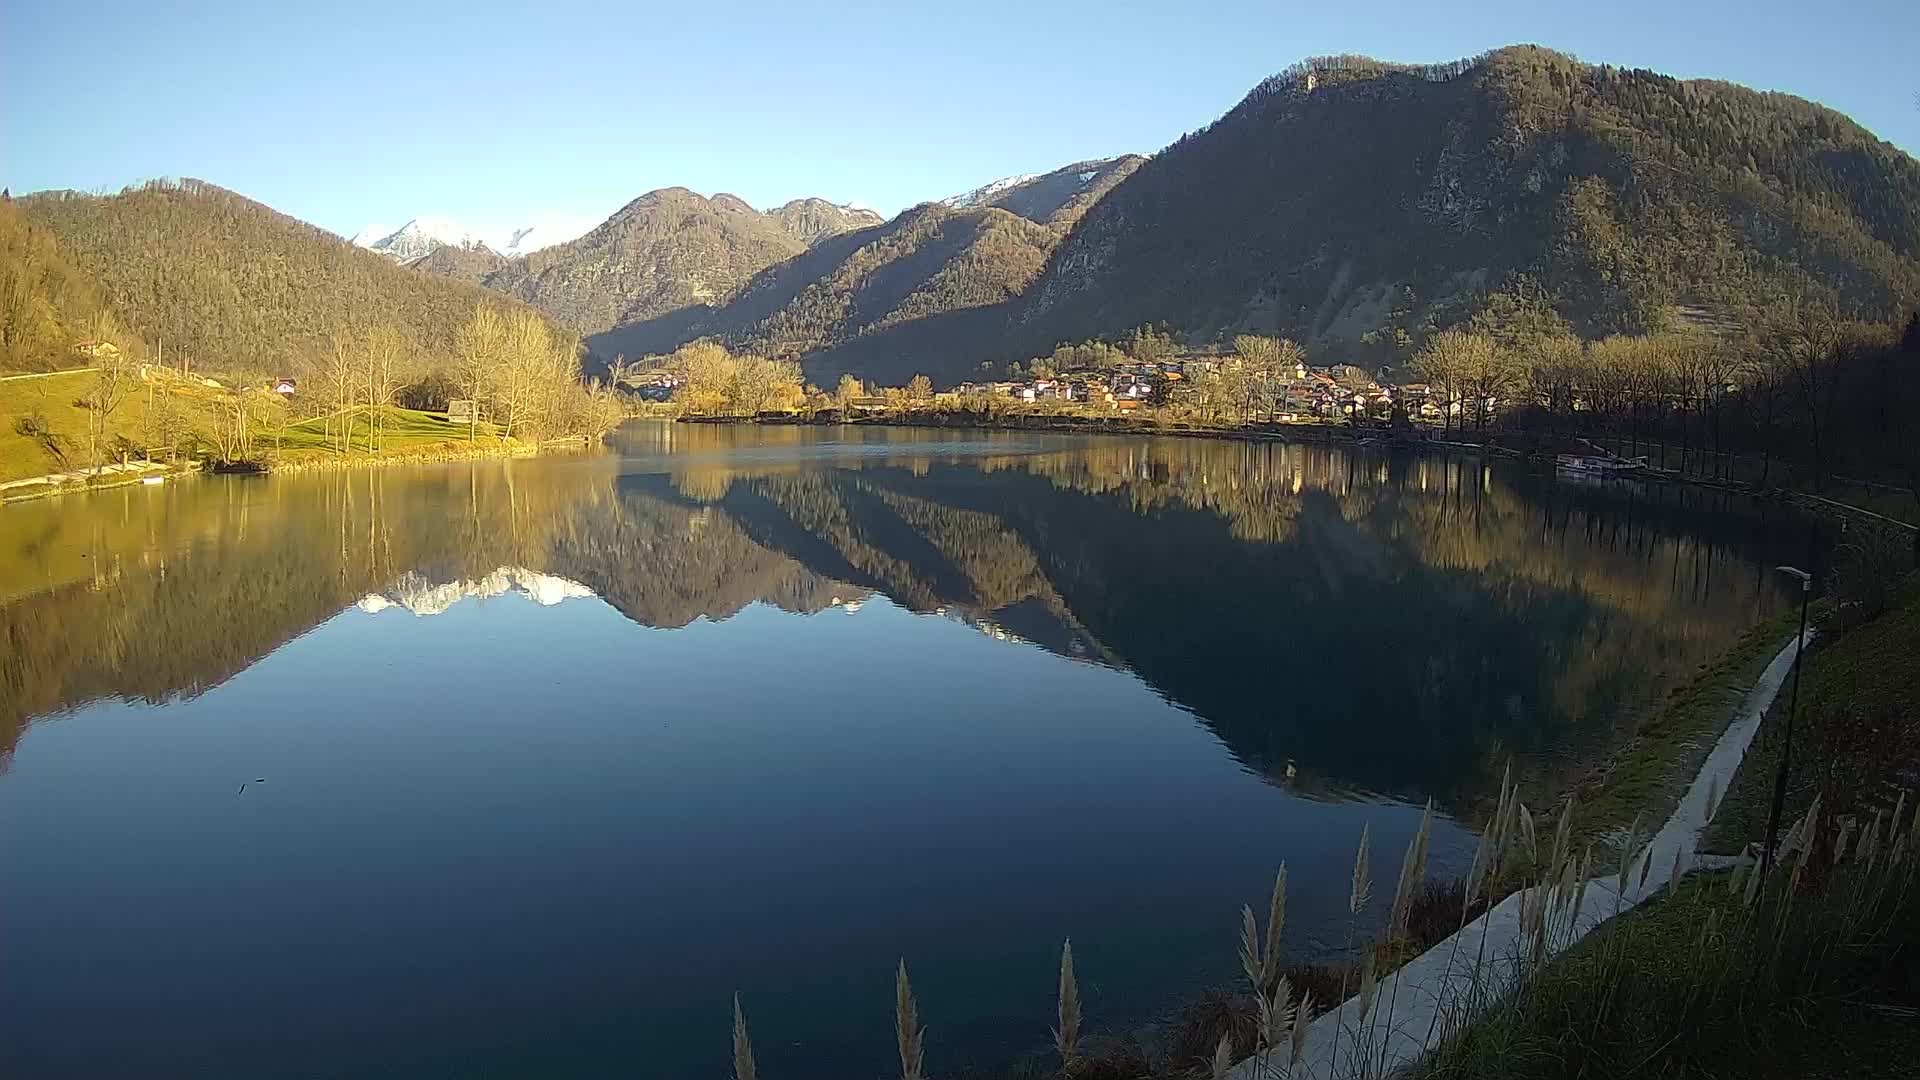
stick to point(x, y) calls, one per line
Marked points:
point(985, 194)
point(417, 594)
point(371, 235)
point(422, 235)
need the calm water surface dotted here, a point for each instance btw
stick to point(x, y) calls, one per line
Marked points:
point(525, 768)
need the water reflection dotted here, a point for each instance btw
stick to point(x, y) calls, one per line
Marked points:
point(1354, 620)
point(508, 830)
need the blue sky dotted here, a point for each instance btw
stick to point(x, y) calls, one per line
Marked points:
point(344, 113)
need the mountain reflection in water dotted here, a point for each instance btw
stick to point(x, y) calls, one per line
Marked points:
point(1281, 593)
point(562, 752)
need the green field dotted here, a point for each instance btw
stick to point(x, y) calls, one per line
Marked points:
point(402, 432)
point(54, 398)
point(64, 446)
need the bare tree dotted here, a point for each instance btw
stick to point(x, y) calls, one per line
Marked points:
point(479, 351)
point(528, 347)
point(336, 376)
point(166, 423)
point(1467, 364)
point(384, 359)
point(114, 374)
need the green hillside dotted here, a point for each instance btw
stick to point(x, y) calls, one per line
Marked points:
point(236, 288)
point(46, 305)
point(1346, 199)
point(664, 251)
point(929, 261)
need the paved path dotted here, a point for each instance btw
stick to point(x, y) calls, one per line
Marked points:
point(1438, 980)
point(42, 374)
point(131, 468)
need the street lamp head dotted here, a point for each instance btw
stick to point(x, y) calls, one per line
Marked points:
point(1806, 579)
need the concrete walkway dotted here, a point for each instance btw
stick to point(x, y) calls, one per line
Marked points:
point(81, 476)
point(1440, 980)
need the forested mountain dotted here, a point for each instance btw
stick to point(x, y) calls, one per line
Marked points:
point(665, 251)
point(1057, 198)
point(1353, 205)
point(1346, 202)
point(931, 260)
point(237, 288)
point(468, 264)
point(1358, 206)
point(46, 305)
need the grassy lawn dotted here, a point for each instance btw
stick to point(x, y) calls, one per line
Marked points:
point(53, 398)
point(1653, 769)
point(1807, 978)
point(403, 432)
point(1673, 989)
point(1856, 740)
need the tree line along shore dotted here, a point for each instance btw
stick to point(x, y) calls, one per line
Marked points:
point(1800, 399)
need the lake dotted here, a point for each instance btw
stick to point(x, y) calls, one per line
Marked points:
point(526, 767)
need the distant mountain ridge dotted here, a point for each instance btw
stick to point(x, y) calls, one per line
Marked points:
point(1054, 198)
point(666, 251)
point(947, 260)
point(812, 219)
point(929, 261)
point(1353, 205)
point(423, 235)
point(1358, 206)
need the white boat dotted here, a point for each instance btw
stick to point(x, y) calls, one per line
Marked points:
point(1597, 465)
point(153, 479)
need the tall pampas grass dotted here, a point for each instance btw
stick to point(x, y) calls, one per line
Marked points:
point(1276, 921)
point(1222, 1063)
point(1527, 836)
point(1840, 841)
point(1250, 948)
point(1260, 961)
point(1362, 890)
point(906, 1028)
point(1066, 1037)
point(1413, 871)
point(1369, 982)
point(1358, 895)
point(1563, 834)
point(742, 1046)
point(1580, 891)
point(1626, 860)
point(1302, 1024)
point(1276, 1022)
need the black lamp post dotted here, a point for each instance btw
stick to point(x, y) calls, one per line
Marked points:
point(1793, 706)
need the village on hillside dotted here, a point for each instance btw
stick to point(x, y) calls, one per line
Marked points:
point(1223, 385)
point(1290, 393)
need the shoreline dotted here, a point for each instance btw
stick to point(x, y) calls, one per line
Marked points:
point(31, 489)
point(431, 454)
point(1438, 982)
point(1420, 440)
